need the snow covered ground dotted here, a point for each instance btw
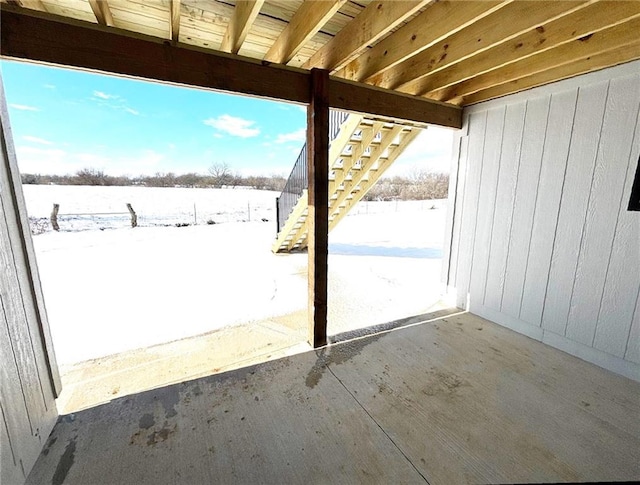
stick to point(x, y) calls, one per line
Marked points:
point(110, 288)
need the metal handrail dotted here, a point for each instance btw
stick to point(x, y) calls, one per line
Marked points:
point(298, 179)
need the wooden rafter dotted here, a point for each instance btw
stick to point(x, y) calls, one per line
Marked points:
point(439, 20)
point(512, 20)
point(102, 12)
point(35, 36)
point(371, 24)
point(600, 45)
point(586, 21)
point(306, 22)
point(174, 23)
point(244, 15)
point(581, 66)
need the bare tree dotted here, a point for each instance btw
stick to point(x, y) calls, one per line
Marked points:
point(220, 174)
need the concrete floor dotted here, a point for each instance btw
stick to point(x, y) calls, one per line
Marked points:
point(454, 400)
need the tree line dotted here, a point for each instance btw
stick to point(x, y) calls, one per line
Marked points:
point(419, 185)
point(219, 175)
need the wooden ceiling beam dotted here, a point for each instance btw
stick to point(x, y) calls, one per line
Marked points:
point(510, 21)
point(305, 23)
point(102, 12)
point(174, 22)
point(32, 4)
point(594, 44)
point(593, 18)
point(244, 14)
point(37, 37)
point(367, 28)
point(439, 20)
point(618, 55)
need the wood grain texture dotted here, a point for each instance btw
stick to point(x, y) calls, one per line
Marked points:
point(505, 203)
point(318, 194)
point(574, 68)
point(174, 21)
point(535, 128)
point(592, 18)
point(41, 39)
point(511, 20)
point(600, 224)
point(17, 439)
point(244, 14)
point(366, 29)
point(564, 54)
point(438, 21)
point(486, 204)
point(554, 159)
point(573, 205)
point(308, 19)
point(468, 221)
point(619, 296)
point(102, 12)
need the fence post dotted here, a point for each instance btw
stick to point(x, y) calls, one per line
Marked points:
point(54, 217)
point(134, 217)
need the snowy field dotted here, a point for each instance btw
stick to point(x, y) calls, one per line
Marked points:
point(110, 288)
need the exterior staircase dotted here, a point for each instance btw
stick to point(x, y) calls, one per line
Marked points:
point(360, 151)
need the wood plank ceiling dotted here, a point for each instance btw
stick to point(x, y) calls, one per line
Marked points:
point(460, 52)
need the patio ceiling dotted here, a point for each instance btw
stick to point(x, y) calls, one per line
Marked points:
point(459, 52)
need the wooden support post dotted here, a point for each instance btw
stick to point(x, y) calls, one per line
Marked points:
point(318, 193)
point(54, 217)
point(134, 217)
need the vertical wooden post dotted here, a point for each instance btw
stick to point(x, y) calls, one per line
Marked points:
point(318, 217)
point(54, 217)
point(134, 217)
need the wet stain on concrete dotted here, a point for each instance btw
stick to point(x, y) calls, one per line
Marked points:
point(338, 354)
point(161, 435)
point(50, 443)
point(65, 463)
point(146, 421)
point(169, 398)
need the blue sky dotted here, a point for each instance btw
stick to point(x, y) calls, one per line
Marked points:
point(66, 120)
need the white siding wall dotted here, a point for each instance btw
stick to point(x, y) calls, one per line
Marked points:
point(541, 239)
point(27, 371)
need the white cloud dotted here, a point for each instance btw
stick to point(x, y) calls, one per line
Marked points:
point(113, 101)
point(233, 126)
point(49, 86)
point(24, 107)
point(35, 139)
point(102, 95)
point(297, 136)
